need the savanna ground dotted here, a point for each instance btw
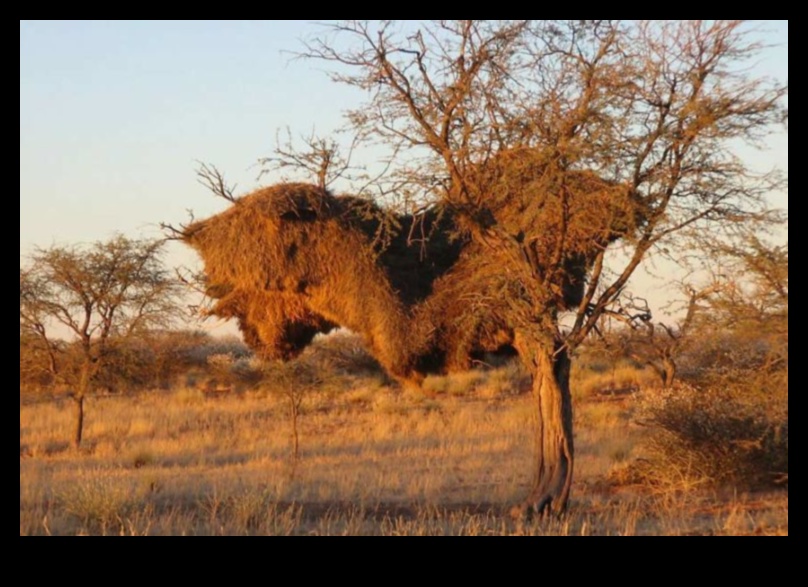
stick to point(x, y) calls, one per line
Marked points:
point(451, 459)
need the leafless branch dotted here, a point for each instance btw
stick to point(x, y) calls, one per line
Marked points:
point(213, 179)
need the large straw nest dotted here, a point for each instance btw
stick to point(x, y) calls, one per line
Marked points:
point(291, 260)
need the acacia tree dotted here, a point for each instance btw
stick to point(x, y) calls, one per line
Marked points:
point(485, 117)
point(756, 294)
point(658, 344)
point(752, 306)
point(98, 297)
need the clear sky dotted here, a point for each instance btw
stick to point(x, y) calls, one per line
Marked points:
point(115, 115)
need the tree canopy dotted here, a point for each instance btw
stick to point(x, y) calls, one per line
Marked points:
point(550, 144)
point(97, 296)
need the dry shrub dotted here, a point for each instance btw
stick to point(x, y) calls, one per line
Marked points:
point(98, 500)
point(284, 378)
point(732, 357)
point(714, 436)
point(455, 384)
point(621, 378)
point(507, 380)
point(155, 360)
point(342, 353)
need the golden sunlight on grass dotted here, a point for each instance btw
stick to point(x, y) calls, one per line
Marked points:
point(374, 460)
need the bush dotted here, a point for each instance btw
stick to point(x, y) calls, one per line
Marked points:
point(342, 353)
point(98, 501)
point(716, 436)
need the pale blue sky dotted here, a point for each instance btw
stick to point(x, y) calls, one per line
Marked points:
point(114, 116)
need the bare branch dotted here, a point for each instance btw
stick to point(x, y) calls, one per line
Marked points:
point(210, 177)
point(319, 159)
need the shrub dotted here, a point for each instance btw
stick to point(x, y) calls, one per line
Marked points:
point(343, 353)
point(716, 436)
point(98, 501)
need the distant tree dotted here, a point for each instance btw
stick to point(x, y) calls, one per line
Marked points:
point(745, 299)
point(98, 298)
point(752, 305)
point(756, 294)
point(292, 382)
point(657, 343)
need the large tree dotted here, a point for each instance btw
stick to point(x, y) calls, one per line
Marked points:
point(97, 297)
point(490, 117)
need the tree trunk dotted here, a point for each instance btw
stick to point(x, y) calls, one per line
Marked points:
point(554, 441)
point(669, 372)
point(79, 411)
point(295, 409)
point(78, 399)
point(294, 416)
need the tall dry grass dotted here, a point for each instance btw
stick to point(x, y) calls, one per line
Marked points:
point(374, 460)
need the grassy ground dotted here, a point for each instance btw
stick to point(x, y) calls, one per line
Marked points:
point(374, 460)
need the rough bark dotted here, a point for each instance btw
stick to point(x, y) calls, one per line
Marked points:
point(554, 440)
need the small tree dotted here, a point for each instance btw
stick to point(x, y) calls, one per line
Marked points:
point(99, 296)
point(752, 306)
point(552, 142)
point(655, 343)
point(292, 382)
point(756, 292)
point(731, 425)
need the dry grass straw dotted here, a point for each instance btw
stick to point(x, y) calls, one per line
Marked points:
point(374, 460)
point(714, 437)
point(291, 261)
